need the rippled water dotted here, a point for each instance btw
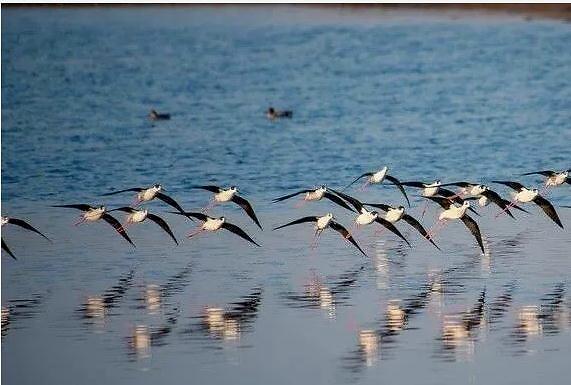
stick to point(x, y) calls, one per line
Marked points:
point(431, 97)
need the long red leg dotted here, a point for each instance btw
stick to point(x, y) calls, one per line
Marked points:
point(436, 228)
point(195, 232)
point(364, 186)
point(81, 220)
point(210, 204)
point(424, 209)
point(512, 204)
point(297, 205)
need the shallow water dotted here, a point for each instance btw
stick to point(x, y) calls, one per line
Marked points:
point(431, 97)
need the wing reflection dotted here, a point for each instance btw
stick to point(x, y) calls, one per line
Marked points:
point(18, 309)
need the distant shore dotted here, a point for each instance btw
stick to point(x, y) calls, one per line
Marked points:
point(528, 11)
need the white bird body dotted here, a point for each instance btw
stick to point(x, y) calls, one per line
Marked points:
point(483, 201)
point(557, 179)
point(94, 214)
point(477, 190)
point(379, 176)
point(454, 212)
point(431, 189)
point(5, 220)
point(213, 224)
point(137, 216)
point(149, 194)
point(324, 221)
point(366, 217)
point(225, 195)
point(394, 214)
point(315, 195)
point(526, 195)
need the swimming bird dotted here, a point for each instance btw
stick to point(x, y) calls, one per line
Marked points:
point(138, 216)
point(272, 113)
point(154, 115)
point(377, 177)
point(484, 195)
point(231, 194)
point(366, 217)
point(316, 195)
point(321, 223)
point(525, 195)
point(148, 194)
point(92, 214)
point(455, 212)
point(214, 224)
point(553, 178)
point(395, 214)
point(20, 223)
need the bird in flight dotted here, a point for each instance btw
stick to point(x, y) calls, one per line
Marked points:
point(138, 216)
point(148, 194)
point(377, 177)
point(20, 223)
point(316, 195)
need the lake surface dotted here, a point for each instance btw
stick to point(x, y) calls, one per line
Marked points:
point(431, 97)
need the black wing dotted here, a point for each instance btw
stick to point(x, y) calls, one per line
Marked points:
point(170, 201)
point(124, 209)
point(379, 206)
point(416, 224)
point(449, 194)
point(544, 173)
point(392, 228)
point(345, 233)
point(362, 176)
point(6, 249)
point(353, 201)
point(498, 200)
point(117, 226)
point(414, 184)
point(459, 184)
point(136, 189)
point(445, 203)
point(474, 229)
point(548, 209)
point(161, 222)
point(514, 185)
point(238, 231)
point(78, 207)
point(214, 189)
point(290, 195)
point(27, 226)
point(297, 221)
point(247, 208)
point(397, 183)
point(337, 200)
point(515, 206)
point(190, 215)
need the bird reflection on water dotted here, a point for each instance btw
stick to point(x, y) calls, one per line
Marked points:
point(19, 309)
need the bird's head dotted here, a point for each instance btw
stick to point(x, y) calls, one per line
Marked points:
point(158, 187)
point(466, 204)
point(271, 110)
point(102, 208)
point(223, 219)
point(234, 189)
point(4, 220)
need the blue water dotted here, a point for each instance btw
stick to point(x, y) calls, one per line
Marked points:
point(431, 96)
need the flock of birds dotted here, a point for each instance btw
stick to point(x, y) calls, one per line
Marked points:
point(455, 206)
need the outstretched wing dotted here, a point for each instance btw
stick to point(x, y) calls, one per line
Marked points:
point(379, 206)
point(345, 233)
point(445, 203)
point(392, 229)
point(238, 231)
point(212, 188)
point(244, 204)
point(414, 184)
point(548, 209)
point(362, 176)
point(474, 229)
point(161, 222)
point(397, 183)
point(514, 185)
point(498, 200)
point(459, 184)
point(290, 196)
point(297, 221)
point(136, 189)
point(354, 202)
point(125, 209)
point(7, 249)
point(168, 200)
point(117, 226)
point(27, 226)
point(416, 224)
point(200, 216)
point(81, 207)
point(547, 173)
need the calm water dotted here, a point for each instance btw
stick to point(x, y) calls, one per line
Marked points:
point(437, 97)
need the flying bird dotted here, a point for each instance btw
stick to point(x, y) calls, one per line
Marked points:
point(93, 214)
point(366, 217)
point(321, 223)
point(378, 177)
point(214, 224)
point(154, 115)
point(20, 223)
point(428, 189)
point(456, 212)
point(138, 216)
point(553, 178)
point(525, 195)
point(148, 194)
point(316, 195)
point(231, 194)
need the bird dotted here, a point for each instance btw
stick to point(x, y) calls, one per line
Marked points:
point(553, 178)
point(366, 217)
point(428, 189)
point(230, 194)
point(148, 194)
point(20, 223)
point(214, 224)
point(138, 216)
point(316, 195)
point(321, 223)
point(154, 115)
point(484, 195)
point(395, 214)
point(456, 212)
point(272, 114)
point(377, 177)
point(95, 213)
point(525, 195)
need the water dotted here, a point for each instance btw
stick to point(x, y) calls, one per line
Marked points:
point(431, 97)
